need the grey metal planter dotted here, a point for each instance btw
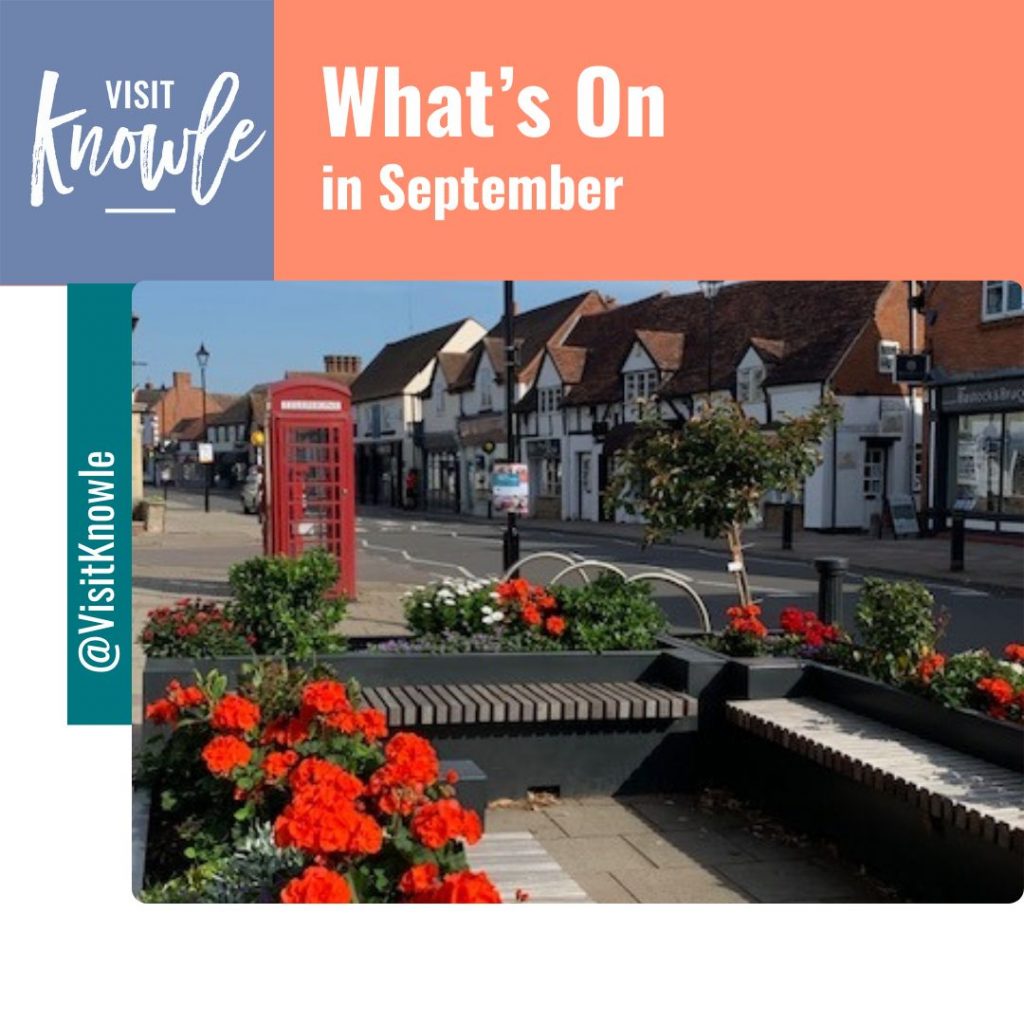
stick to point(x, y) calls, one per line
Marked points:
point(965, 730)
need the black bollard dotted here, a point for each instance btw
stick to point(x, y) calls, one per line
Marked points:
point(787, 526)
point(830, 588)
point(957, 539)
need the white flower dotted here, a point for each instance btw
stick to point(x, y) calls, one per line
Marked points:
point(449, 602)
point(487, 610)
point(427, 604)
point(498, 617)
point(493, 595)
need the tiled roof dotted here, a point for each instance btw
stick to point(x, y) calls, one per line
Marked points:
point(606, 338)
point(239, 411)
point(816, 321)
point(664, 347)
point(538, 328)
point(569, 362)
point(190, 429)
point(390, 371)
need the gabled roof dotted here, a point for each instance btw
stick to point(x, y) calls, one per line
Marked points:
point(664, 347)
point(148, 396)
point(542, 327)
point(606, 339)
point(391, 370)
point(816, 321)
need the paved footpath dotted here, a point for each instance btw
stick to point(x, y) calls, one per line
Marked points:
point(680, 849)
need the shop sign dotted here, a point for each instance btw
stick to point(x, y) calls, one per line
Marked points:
point(984, 395)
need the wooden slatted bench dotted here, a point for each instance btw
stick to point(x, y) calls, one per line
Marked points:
point(413, 705)
point(964, 792)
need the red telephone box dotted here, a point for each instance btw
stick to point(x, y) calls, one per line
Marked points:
point(309, 492)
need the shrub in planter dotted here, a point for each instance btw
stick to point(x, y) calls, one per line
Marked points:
point(283, 604)
point(610, 614)
point(289, 791)
point(605, 614)
point(896, 627)
point(193, 628)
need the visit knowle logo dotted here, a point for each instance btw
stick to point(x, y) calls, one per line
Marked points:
point(149, 147)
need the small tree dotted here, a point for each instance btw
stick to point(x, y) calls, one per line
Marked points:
point(712, 472)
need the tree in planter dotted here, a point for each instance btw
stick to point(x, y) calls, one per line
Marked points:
point(712, 472)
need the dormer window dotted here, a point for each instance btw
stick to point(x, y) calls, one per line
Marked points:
point(639, 384)
point(439, 398)
point(486, 397)
point(750, 384)
point(1001, 299)
point(549, 399)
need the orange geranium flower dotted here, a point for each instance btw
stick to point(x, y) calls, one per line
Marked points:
point(555, 625)
point(288, 732)
point(317, 885)
point(319, 822)
point(419, 879)
point(466, 887)
point(278, 763)
point(184, 696)
point(233, 712)
point(162, 712)
point(437, 823)
point(373, 724)
point(531, 615)
point(1015, 652)
point(316, 772)
point(225, 753)
point(325, 696)
point(929, 665)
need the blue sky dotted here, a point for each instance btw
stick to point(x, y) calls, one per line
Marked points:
point(255, 330)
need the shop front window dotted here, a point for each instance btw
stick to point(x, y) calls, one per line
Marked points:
point(1013, 465)
point(979, 444)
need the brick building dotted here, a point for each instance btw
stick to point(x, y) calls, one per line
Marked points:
point(974, 334)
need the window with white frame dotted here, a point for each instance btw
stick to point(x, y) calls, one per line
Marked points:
point(750, 384)
point(549, 399)
point(486, 395)
point(439, 397)
point(639, 384)
point(1001, 299)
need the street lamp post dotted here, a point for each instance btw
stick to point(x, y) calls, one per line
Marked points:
point(510, 546)
point(710, 290)
point(202, 358)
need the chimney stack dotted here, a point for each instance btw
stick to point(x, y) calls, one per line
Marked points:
point(348, 366)
point(181, 379)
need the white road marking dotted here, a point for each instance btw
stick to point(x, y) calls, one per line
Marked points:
point(419, 561)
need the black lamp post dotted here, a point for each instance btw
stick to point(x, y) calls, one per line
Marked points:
point(510, 545)
point(710, 290)
point(202, 358)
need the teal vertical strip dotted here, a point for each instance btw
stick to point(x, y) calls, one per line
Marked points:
point(100, 452)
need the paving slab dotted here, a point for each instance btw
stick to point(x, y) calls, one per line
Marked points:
point(596, 853)
point(603, 887)
point(515, 819)
point(599, 819)
point(797, 881)
point(692, 847)
point(679, 885)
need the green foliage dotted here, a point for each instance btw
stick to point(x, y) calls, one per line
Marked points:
point(253, 872)
point(282, 604)
point(897, 627)
point(711, 473)
point(192, 628)
point(610, 614)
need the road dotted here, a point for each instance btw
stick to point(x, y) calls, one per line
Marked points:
point(410, 550)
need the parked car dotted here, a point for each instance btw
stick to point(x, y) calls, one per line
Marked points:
point(251, 493)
